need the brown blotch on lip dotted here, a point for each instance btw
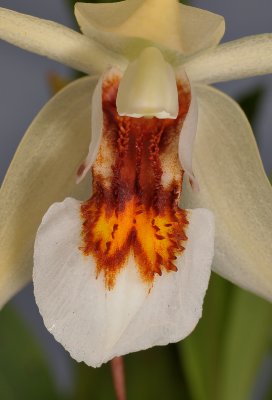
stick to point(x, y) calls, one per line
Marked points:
point(131, 212)
point(159, 237)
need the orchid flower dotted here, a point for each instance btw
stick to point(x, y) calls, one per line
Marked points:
point(126, 268)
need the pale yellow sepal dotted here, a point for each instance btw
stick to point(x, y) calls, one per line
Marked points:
point(148, 88)
point(128, 26)
point(234, 186)
point(199, 29)
point(42, 172)
point(57, 42)
point(242, 58)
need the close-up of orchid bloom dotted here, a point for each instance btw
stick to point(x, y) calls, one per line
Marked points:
point(132, 183)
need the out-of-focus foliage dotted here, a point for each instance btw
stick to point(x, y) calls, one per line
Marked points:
point(155, 374)
point(93, 383)
point(246, 343)
point(24, 373)
point(57, 82)
point(200, 352)
point(222, 357)
point(151, 374)
point(269, 393)
point(251, 103)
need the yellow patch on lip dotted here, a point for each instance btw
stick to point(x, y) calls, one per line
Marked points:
point(131, 212)
point(154, 240)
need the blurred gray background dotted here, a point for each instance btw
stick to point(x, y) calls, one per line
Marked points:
point(24, 90)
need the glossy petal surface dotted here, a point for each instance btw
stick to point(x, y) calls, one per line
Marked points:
point(75, 303)
point(187, 138)
point(42, 171)
point(129, 26)
point(55, 41)
point(249, 56)
point(234, 186)
point(148, 87)
point(96, 128)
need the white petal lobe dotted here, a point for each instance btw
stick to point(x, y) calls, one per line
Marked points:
point(94, 324)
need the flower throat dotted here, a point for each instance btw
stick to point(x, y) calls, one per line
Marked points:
point(137, 182)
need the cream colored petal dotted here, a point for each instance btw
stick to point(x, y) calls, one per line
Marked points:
point(129, 26)
point(55, 41)
point(42, 171)
point(241, 58)
point(199, 29)
point(95, 324)
point(188, 133)
point(97, 130)
point(234, 186)
point(148, 87)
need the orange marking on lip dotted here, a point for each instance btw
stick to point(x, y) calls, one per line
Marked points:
point(153, 252)
point(131, 212)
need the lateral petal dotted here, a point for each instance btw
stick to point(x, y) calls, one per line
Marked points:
point(56, 41)
point(234, 186)
point(188, 133)
point(129, 26)
point(249, 56)
point(97, 128)
point(42, 171)
point(95, 324)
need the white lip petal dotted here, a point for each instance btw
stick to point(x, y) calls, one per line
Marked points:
point(95, 324)
point(234, 186)
point(56, 41)
point(238, 59)
point(42, 171)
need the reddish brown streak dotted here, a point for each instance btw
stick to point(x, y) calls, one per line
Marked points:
point(80, 170)
point(135, 214)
